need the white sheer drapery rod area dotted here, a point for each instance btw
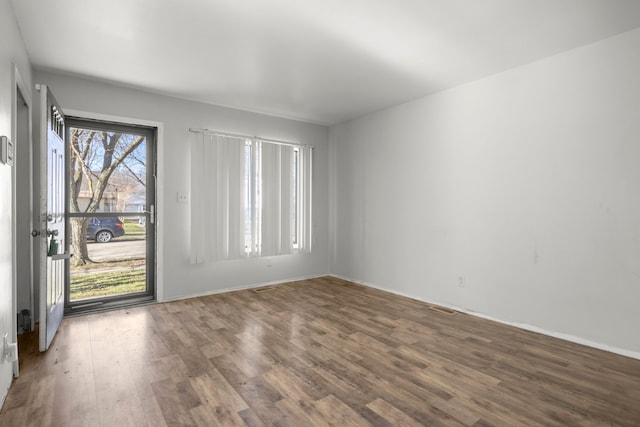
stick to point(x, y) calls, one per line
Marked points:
point(250, 197)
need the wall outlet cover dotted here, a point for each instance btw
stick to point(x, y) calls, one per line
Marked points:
point(183, 197)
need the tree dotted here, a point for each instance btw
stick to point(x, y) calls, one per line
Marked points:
point(127, 185)
point(95, 156)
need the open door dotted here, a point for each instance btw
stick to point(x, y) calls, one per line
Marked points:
point(52, 216)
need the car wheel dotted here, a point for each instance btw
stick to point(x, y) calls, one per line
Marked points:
point(103, 236)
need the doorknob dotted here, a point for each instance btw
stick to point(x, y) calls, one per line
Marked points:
point(52, 232)
point(35, 233)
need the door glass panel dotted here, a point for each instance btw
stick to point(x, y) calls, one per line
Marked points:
point(109, 223)
point(116, 248)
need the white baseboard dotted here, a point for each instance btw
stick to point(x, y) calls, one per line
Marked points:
point(562, 336)
point(240, 288)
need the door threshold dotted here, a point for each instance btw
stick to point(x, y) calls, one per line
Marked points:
point(101, 306)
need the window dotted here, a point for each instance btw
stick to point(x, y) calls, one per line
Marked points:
point(109, 205)
point(250, 198)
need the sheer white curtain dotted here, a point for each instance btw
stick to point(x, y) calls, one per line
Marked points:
point(249, 198)
point(305, 199)
point(218, 198)
point(277, 199)
point(287, 187)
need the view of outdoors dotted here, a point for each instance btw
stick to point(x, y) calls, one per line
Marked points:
point(107, 189)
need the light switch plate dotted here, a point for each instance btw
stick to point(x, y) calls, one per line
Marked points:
point(6, 150)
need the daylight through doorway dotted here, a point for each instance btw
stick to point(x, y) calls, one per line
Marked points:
point(110, 214)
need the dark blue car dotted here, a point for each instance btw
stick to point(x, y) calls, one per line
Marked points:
point(103, 229)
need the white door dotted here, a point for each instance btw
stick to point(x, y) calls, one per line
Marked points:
point(52, 216)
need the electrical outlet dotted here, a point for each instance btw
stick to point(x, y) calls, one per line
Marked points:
point(461, 282)
point(183, 197)
point(6, 348)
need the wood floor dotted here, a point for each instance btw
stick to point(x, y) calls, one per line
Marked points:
point(316, 352)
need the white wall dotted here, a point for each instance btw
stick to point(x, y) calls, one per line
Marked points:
point(12, 54)
point(179, 278)
point(526, 183)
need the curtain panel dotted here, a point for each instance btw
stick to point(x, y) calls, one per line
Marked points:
point(218, 199)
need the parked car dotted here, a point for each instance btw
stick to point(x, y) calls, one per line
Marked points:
point(103, 229)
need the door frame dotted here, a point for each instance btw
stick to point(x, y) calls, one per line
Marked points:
point(24, 223)
point(159, 201)
point(19, 87)
point(116, 301)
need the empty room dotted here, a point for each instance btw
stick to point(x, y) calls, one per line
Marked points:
point(320, 213)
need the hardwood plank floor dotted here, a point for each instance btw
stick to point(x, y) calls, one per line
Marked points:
point(317, 352)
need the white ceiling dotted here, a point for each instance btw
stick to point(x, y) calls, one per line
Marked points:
point(323, 61)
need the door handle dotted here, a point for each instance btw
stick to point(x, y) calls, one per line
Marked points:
point(52, 232)
point(35, 233)
point(152, 214)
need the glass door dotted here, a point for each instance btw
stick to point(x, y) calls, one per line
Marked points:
point(110, 215)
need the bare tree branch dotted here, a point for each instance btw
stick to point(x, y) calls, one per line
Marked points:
point(133, 174)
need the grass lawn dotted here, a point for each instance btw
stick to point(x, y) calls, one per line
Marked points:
point(106, 284)
point(131, 228)
point(133, 231)
point(109, 264)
